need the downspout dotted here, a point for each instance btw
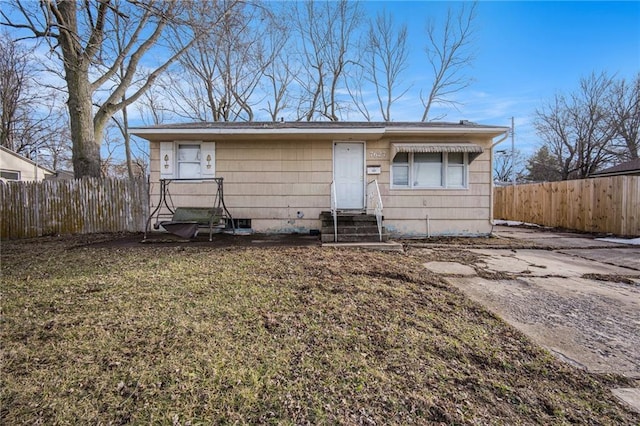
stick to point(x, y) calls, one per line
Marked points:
point(506, 135)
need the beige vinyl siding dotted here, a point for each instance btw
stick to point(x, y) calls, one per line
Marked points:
point(269, 182)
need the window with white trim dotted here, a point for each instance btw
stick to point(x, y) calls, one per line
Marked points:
point(429, 170)
point(187, 160)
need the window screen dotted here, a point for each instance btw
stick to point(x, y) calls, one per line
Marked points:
point(427, 168)
point(188, 161)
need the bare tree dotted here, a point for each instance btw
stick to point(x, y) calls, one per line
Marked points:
point(279, 73)
point(449, 54)
point(278, 77)
point(219, 75)
point(76, 32)
point(117, 44)
point(327, 38)
point(624, 109)
point(56, 147)
point(385, 58)
point(152, 105)
point(31, 122)
point(508, 166)
point(577, 129)
point(113, 165)
point(15, 78)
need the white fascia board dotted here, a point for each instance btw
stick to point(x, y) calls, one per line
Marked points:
point(257, 131)
point(446, 131)
point(376, 132)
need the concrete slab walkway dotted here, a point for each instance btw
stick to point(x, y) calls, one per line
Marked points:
point(553, 239)
point(578, 297)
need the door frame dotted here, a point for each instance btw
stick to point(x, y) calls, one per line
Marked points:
point(364, 169)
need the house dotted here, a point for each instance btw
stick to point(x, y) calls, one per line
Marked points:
point(431, 178)
point(15, 167)
point(629, 168)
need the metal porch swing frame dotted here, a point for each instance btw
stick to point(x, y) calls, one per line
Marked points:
point(186, 224)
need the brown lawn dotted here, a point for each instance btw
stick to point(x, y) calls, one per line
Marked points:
point(194, 335)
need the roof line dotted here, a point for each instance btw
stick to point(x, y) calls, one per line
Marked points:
point(379, 131)
point(236, 130)
point(23, 158)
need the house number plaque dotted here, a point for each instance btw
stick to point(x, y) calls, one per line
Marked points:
point(377, 154)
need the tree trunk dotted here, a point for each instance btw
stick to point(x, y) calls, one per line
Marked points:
point(86, 147)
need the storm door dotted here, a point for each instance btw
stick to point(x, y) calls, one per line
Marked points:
point(348, 174)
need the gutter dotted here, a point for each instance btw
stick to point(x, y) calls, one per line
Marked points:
point(506, 135)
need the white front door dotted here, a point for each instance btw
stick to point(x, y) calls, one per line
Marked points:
point(348, 174)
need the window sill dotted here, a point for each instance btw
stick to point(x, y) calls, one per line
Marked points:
point(188, 181)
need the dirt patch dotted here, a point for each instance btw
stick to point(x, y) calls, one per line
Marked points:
point(611, 278)
point(219, 240)
point(492, 241)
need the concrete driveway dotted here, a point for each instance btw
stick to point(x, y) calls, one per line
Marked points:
point(575, 295)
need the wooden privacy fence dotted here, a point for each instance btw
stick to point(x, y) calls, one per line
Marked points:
point(606, 205)
point(30, 209)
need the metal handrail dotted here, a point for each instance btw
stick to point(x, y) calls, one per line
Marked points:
point(374, 203)
point(334, 211)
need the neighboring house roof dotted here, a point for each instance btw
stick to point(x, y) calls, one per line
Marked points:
point(630, 168)
point(309, 128)
point(12, 161)
point(62, 175)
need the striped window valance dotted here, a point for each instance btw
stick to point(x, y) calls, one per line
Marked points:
point(473, 149)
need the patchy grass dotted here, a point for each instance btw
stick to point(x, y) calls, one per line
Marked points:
point(190, 335)
point(612, 278)
point(491, 241)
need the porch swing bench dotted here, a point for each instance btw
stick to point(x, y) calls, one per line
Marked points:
point(186, 221)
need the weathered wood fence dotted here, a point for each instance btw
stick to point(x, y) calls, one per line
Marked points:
point(607, 204)
point(30, 209)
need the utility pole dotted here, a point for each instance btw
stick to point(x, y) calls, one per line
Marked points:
point(513, 152)
point(37, 189)
point(513, 171)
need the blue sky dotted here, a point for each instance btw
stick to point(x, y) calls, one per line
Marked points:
point(526, 52)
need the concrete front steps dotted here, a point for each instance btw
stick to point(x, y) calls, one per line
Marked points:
point(352, 227)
